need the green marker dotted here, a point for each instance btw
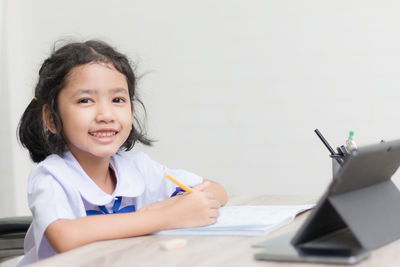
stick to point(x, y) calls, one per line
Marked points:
point(350, 144)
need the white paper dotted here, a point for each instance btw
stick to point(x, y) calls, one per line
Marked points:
point(245, 220)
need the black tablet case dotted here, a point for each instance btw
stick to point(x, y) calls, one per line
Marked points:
point(361, 198)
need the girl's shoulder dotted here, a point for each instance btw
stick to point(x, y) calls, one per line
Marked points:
point(50, 172)
point(56, 168)
point(51, 164)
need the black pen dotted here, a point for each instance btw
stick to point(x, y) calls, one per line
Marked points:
point(333, 153)
point(325, 142)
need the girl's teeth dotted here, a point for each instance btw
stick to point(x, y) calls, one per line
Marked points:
point(104, 134)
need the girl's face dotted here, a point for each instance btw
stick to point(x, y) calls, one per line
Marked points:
point(95, 110)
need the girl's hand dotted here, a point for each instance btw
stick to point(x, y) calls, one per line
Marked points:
point(200, 187)
point(190, 209)
point(195, 209)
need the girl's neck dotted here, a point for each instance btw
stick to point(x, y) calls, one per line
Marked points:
point(98, 169)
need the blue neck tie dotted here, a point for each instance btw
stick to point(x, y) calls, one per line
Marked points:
point(117, 203)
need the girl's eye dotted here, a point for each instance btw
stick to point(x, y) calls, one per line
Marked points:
point(118, 100)
point(85, 101)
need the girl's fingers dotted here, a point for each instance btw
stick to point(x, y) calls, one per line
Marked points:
point(214, 213)
point(214, 204)
point(203, 186)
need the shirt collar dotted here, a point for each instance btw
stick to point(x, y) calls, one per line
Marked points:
point(130, 182)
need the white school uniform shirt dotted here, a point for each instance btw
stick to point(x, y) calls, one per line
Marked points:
point(58, 188)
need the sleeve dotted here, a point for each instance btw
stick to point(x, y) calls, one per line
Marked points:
point(48, 202)
point(160, 187)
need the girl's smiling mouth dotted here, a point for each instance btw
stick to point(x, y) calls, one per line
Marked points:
point(103, 133)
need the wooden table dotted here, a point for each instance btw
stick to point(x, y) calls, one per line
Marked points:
point(202, 250)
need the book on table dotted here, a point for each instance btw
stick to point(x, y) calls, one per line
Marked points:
point(246, 220)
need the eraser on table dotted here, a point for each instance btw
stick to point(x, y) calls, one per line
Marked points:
point(172, 244)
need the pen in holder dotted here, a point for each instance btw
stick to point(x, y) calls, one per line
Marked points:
point(338, 158)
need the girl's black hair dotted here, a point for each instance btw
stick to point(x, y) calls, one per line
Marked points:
point(53, 75)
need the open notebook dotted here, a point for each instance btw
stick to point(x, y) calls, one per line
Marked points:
point(245, 220)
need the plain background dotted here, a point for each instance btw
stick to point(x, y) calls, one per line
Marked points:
point(233, 89)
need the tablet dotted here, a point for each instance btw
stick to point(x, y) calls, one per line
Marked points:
point(360, 211)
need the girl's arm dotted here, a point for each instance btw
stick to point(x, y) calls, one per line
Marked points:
point(190, 210)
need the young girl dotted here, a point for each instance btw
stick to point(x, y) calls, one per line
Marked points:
point(88, 185)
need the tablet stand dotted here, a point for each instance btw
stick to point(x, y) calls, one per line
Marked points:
point(361, 201)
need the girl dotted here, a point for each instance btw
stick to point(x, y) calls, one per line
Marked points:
point(88, 185)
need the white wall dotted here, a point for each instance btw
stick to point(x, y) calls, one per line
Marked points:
point(7, 181)
point(234, 89)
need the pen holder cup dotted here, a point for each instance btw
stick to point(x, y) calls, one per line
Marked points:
point(335, 167)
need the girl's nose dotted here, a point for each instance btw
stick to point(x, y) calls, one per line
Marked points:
point(104, 113)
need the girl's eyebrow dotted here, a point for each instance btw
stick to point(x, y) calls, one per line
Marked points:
point(120, 90)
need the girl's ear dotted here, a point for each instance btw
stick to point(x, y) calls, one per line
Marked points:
point(48, 119)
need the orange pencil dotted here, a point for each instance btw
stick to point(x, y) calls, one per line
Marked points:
point(181, 185)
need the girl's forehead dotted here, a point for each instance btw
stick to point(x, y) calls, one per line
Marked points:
point(95, 75)
point(91, 68)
